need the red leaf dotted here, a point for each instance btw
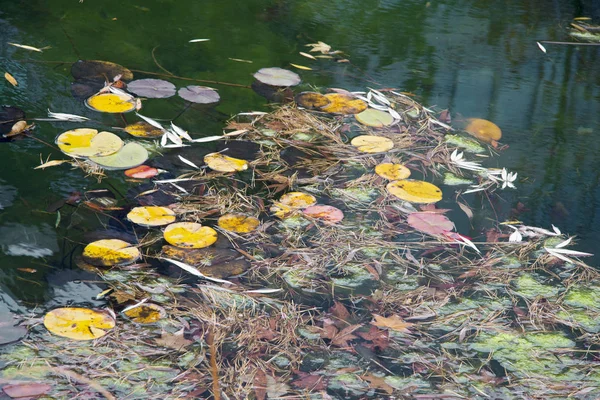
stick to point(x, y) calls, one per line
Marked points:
point(431, 223)
point(260, 385)
point(310, 382)
point(141, 172)
point(340, 311)
point(26, 389)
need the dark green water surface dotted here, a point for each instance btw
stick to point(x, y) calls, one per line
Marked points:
point(477, 58)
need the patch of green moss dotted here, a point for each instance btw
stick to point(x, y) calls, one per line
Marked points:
point(354, 278)
point(583, 297)
point(401, 383)
point(527, 286)
point(348, 384)
point(454, 180)
point(467, 144)
point(580, 318)
point(363, 195)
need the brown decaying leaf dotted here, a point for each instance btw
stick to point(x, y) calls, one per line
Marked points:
point(394, 323)
point(378, 383)
point(340, 311)
point(312, 382)
point(378, 337)
point(29, 390)
point(260, 384)
point(174, 341)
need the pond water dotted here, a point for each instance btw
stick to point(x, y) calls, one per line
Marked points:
point(476, 58)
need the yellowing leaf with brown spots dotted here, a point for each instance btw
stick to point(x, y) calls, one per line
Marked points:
point(238, 223)
point(111, 103)
point(311, 100)
point(484, 130)
point(297, 200)
point(151, 216)
point(11, 79)
point(392, 172)
point(144, 130)
point(222, 163)
point(146, 313)
point(394, 323)
point(190, 235)
point(415, 191)
point(109, 252)
point(78, 323)
point(343, 104)
point(372, 144)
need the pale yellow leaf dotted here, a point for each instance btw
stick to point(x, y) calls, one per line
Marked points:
point(11, 79)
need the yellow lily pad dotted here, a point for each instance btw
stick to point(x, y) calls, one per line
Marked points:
point(111, 103)
point(415, 191)
point(297, 200)
point(190, 235)
point(222, 163)
point(109, 252)
point(86, 142)
point(78, 323)
point(374, 118)
point(372, 144)
point(238, 223)
point(343, 104)
point(146, 313)
point(151, 216)
point(143, 129)
point(129, 156)
point(392, 172)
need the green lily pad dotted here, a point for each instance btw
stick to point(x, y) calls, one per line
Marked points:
point(131, 155)
point(374, 118)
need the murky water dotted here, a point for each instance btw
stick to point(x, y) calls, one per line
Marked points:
point(477, 58)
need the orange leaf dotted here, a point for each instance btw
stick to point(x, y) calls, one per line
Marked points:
point(394, 323)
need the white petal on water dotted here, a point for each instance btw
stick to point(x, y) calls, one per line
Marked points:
point(188, 162)
point(152, 122)
point(194, 271)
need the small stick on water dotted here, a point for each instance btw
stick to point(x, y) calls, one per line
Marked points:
point(569, 43)
point(214, 369)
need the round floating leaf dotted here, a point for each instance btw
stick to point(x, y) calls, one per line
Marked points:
point(431, 223)
point(311, 100)
point(109, 252)
point(277, 77)
point(325, 213)
point(111, 103)
point(146, 313)
point(392, 172)
point(78, 323)
point(483, 130)
point(297, 200)
point(415, 191)
point(85, 142)
point(99, 69)
point(152, 88)
point(144, 130)
point(151, 216)
point(374, 118)
point(343, 104)
point(199, 94)
point(238, 223)
point(372, 144)
point(190, 235)
point(142, 172)
point(131, 155)
point(222, 163)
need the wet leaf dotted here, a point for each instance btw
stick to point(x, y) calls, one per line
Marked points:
point(199, 94)
point(131, 155)
point(152, 88)
point(307, 55)
point(11, 79)
point(275, 388)
point(372, 144)
point(325, 213)
point(415, 191)
point(301, 67)
point(18, 128)
point(30, 48)
point(9, 116)
point(392, 172)
point(484, 130)
point(311, 100)
point(210, 261)
point(86, 142)
point(378, 383)
point(174, 341)
point(431, 223)
point(238, 223)
point(111, 103)
point(190, 235)
point(394, 323)
point(343, 104)
point(277, 77)
point(297, 200)
point(374, 118)
point(146, 313)
point(321, 47)
point(109, 252)
point(26, 389)
point(142, 172)
point(78, 323)
point(223, 163)
point(144, 130)
point(51, 163)
point(99, 69)
point(151, 216)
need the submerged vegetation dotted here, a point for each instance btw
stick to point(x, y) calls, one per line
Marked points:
point(301, 255)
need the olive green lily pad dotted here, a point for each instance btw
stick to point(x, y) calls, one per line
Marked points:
point(131, 155)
